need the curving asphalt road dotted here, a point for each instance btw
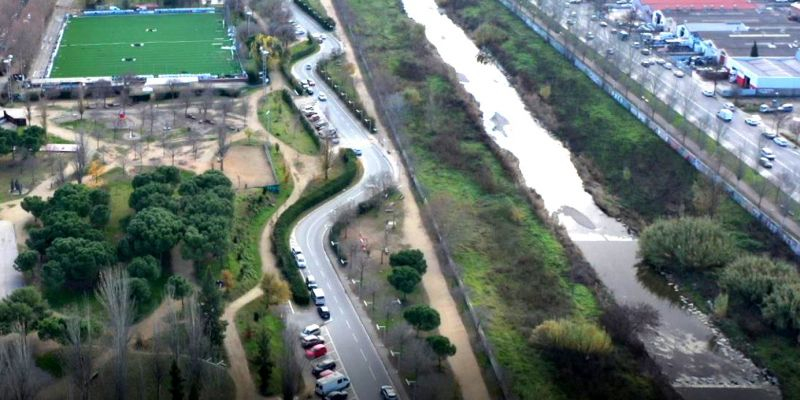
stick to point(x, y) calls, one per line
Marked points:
point(348, 339)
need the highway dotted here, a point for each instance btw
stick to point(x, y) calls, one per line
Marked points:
point(685, 96)
point(346, 336)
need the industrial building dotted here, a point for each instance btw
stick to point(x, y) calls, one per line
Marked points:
point(767, 75)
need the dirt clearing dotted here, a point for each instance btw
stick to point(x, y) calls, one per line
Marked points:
point(247, 167)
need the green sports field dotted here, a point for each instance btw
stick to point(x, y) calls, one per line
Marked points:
point(144, 45)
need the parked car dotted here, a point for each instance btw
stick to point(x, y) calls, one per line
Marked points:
point(316, 351)
point(767, 153)
point(322, 97)
point(610, 52)
point(388, 393)
point(324, 365)
point(311, 282)
point(589, 36)
point(769, 133)
point(753, 120)
point(324, 312)
point(312, 329)
point(645, 52)
point(725, 115)
point(325, 373)
point(301, 260)
point(314, 118)
point(678, 73)
point(667, 65)
point(311, 341)
point(311, 82)
point(332, 383)
point(765, 162)
point(766, 109)
point(781, 141)
point(603, 24)
point(646, 63)
point(336, 395)
point(730, 106)
point(358, 152)
point(787, 107)
point(708, 92)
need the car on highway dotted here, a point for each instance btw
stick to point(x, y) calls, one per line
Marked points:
point(781, 141)
point(660, 61)
point(324, 312)
point(603, 24)
point(358, 152)
point(645, 52)
point(725, 115)
point(316, 351)
point(729, 106)
point(767, 153)
point(769, 133)
point(646, 63)
point(788, 107)
point(753, 120)
point(765, 162)
point(308, 67)
point(322, 97)
point(667, 65)
point(388, 393)
point(708, 92)
point(766, 109)
point(678, 73)
point(301, 260)
point(311, 341)
point(312, 329)
point(324, 365)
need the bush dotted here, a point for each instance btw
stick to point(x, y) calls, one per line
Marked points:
point(283, 227)
point(140, 290)
point(754, 278)
point(146, 267)
point(327, 22)
point(410, 257)
point(577, 336)
point(686, 244)
point(782, 306)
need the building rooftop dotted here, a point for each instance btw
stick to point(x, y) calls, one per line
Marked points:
point(700, 4)
point(772, 66)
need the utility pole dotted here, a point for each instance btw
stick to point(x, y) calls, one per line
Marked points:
point(264, 55)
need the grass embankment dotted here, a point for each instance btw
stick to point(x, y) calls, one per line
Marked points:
point(338, 73)
point(252, 319)
point(315, 9)
point(252, 210)
point(620, 152)
point(285, 122)
point(516, 271)
point(312, 197)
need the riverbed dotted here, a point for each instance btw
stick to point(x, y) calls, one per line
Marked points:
point(694, 355)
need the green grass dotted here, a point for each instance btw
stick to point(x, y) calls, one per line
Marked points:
point(179, 44)
point(285, 124)
point(244, 261)
point(248, 328)
point(119, 187)
point(51, 363)
point(341, 76)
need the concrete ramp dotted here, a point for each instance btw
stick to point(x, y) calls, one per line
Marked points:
point(10, 279)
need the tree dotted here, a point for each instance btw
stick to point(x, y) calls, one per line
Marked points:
point(99, 216)
point(782, 306)
point(411, 257)
point(180, 287)
point(275, 289)
point(145, 267)
point(23, 308)
point(754, 50)
point(753, 278)
point(81, 97)
point(79, 355)
point(114, 293)
point(441, 346)
point(422, 317)
point(52, 328)
point(140, 290)
point(61, 224)
point(33, 138)
point(17, 368)
point(154, 230)
point(175, 382)
point(81, 155)
point(26, 261)
point(405, 279)
point(685, 244)
point(76, 262)
point(263, 361)
point(34, 205)
point(153, 194)
point(71, 197)
point(211, 308)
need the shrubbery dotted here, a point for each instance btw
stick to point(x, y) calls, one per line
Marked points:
point(686, 244)
point(577, 336)
point(327, 22)
point(283, 227)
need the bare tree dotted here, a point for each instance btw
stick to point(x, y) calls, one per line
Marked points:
point(158, 367)
point(186, 96)
point(225, 108)
point(113, 292)
point(81, 97)
point(79, 356)
point(16, 366)
point(28, 106)
point(720, 130)
point(196, 343)
point(81, 155)
point(780, 118)
point(222, 144)
point(741, 163)
point(292, 370)
point(206, 101)
point(102, 89)
point(43, 107)
point(194, 141)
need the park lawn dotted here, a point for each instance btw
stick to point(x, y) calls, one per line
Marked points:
point(284, 123)
point(145, 45)
point(248, 226)
point(119, 187)
point(30, 172)
point(247, 327)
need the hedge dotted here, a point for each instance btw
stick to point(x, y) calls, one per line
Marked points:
point(352, 104)
point(327, 22)
point(287, 98)
point(283, 227)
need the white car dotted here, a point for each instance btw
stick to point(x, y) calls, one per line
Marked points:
point(753, 120)
point(667, 65)
point(678, 73)
point(312, 329)
point(730, 106)
point(765, 162)
point(781, 141)
point(767, 153)
point(769, 133)
point(301, 260)
point(322, 97)
point(725, 115)
point(603, 24)
point(708, 92)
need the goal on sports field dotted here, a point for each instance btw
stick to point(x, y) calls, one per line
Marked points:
point(145, 44)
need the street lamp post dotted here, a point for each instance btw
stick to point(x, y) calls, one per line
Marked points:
point(264, 55)
point(7, 61)
point(249, 14)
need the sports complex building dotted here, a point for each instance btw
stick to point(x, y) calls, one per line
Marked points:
point(183, 45)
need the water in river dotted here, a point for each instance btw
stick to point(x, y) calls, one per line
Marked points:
point(694, 355)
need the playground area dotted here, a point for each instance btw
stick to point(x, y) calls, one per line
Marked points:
point(247, 167)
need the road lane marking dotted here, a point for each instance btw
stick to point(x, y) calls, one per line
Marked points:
point(362, 354)
point(290, 306)
point(355, 338)
point(346, 321)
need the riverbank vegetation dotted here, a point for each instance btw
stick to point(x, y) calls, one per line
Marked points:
point(615, 154)
point(516, 283)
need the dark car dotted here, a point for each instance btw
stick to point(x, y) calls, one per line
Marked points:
point(337, 395)
point(324, 365)
point(323, 312)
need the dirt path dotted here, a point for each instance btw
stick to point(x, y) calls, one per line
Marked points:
point(464, 363)
point(303, 169)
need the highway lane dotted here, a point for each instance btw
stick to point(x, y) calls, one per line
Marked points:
point(685, 96)
point(349, 339)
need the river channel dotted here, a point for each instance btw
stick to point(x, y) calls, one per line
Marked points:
point(694, 355)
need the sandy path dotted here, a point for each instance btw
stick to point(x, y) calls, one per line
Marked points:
point(464, 363)
point(303, 169)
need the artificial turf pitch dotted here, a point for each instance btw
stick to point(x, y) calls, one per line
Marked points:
point(170, 44)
